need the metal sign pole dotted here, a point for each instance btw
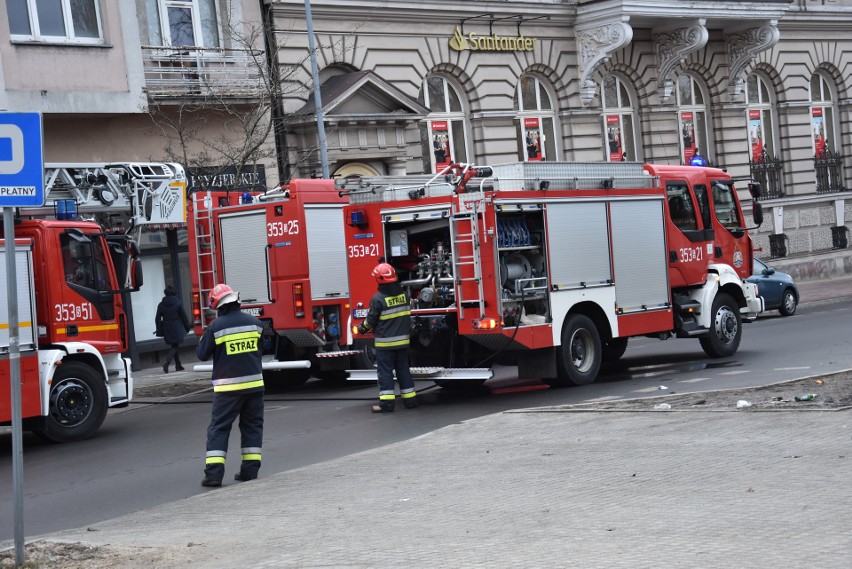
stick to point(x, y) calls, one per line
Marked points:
point(15, 380)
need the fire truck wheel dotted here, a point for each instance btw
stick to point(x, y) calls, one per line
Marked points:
point(367, 358)
point(578, 359)
point(78, 403)
point(726, 330)
point(613, 349)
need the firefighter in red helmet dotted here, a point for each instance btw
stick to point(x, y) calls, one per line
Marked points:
point(390, 319)
point(233, 341)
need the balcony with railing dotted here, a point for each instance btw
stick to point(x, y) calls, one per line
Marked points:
point(203, 72)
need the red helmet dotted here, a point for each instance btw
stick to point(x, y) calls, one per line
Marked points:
point(222, 294)
point(384, 273)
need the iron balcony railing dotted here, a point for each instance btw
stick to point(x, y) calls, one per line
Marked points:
point(827, 165)
point(767, 170)
point(189, 71)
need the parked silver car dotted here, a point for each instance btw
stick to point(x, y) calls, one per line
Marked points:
point(778, 289)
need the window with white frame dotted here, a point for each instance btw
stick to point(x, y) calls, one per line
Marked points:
point(444, 135)
point(618, 123)
point(761, 126)
point(59, 21)
point(692, 119)
point(184, 23)
point(822, 115)
point(535, 120)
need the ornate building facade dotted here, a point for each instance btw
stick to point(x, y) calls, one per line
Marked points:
point(761, 88)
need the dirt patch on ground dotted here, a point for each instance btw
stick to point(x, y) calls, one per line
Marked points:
point(50, 554)
point(832, 391)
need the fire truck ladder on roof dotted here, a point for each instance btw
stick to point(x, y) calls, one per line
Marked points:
point(202, 207)
point(467, 207)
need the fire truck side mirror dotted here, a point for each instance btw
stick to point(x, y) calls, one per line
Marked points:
point(754, 189)
point(757, 212)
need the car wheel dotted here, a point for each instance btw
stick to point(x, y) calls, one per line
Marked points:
point(788, 303)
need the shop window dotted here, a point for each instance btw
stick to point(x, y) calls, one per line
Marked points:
point(535, 121)
point(444, 135)
point(618, 120)
point(692, 119)
point(67, 21)
point(822, 115)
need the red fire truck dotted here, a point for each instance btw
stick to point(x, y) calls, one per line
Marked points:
point(548, 266)
point(73, 326)
point(71, 278)
point(283, 251)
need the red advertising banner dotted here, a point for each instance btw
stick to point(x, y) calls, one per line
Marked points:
point(755, 134)
point(687, 122)
point(441, 145)
point(532, 139)
point(613, 138)
point(818, 128)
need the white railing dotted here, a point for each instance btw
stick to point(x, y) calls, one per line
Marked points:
point(172, 72)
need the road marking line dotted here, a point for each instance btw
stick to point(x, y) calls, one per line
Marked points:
point(791, 368)
point(740, 372)
point(605, 398)
point(694, 380)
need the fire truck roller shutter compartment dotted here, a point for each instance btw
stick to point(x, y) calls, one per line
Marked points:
point(639, 255)
point(326, 252)
point(244, 255)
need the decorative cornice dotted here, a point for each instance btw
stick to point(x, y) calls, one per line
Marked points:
point(594, 46)
point(672, 48)
point(743, 47)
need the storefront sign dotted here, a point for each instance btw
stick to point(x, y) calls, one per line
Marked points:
point(818, 129)
point(252, 178)
point(476, 42)
point(532, 139)
point(687, 130)
point(755, 134)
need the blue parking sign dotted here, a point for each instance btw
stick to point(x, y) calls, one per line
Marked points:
point(21, 160)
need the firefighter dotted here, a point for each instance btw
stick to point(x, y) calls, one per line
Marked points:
point(390, 318)
point(233, 341)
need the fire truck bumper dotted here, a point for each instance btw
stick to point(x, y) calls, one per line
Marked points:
point(754, 303)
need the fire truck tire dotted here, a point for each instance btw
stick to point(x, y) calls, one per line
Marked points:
point(286, 377)
point(78, 403)
point(578, 359)
point(726, 330)
point(613, 349)
point(367, 358)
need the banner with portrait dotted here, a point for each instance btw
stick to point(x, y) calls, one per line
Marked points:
point(441, 145)
point(613, 138)
point(687, 131)
point(755, 135)
point(532, 140)
point(818, 130)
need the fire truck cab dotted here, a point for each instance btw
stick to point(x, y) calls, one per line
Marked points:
point(549, 266)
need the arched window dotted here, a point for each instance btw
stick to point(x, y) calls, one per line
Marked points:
point(619, 133)
point(536, 121)
point(692, 119)
point(822, 115)
point(761, 126)
point(444, 136)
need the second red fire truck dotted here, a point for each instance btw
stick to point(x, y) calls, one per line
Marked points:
point(284, 252)
point(554, 266)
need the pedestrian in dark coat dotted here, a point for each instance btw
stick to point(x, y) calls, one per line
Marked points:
point(172, 325)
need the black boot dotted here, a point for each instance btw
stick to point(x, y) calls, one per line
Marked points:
point(178, 367)
point(165, 367)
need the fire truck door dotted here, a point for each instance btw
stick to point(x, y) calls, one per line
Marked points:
point(326, 251)
point(245, 265)
point(639, 255)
